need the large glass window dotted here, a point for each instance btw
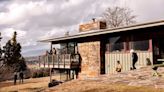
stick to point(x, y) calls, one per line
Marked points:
point(141, 45)
point(71, 48)
point(121, 43)
point(115, 44)
point(68, 48)
point(63, 48)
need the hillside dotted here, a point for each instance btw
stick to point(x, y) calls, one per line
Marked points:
point(140, 80)
point(133, 81)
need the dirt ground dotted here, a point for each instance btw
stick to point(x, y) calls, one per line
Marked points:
point(29, 85)
point(98, 86)
point(40, 85)
point(132, 81)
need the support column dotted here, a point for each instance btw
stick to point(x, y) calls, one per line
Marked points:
point(90, 56)
point(67, 74)
point(51, 47)
point(150, 45)
point(50, 75)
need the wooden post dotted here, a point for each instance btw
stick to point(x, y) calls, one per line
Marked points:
point(53, 60)
point(64, 59)
point(67, 75)
point(39, 61)
point(73, 76)
point(150, 45)
point(50, 75)
point(48, 62)
point(51, 46)
point(58, 56)
point(60, 75)
point(124, 46)
point(44, 61)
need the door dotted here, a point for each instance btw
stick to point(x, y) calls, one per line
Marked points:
point(102, 56)
point(158, 50)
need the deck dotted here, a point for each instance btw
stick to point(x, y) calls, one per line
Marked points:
point(60, 61)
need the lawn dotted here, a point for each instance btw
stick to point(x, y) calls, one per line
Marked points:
point(98, 86)
point(29, 85)
point(41, 85)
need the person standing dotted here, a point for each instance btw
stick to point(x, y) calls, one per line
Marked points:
point(54, 51)
point(134, 58)
point(118, 67)
point(21, 75)
point(47, 53)
point(15, 78)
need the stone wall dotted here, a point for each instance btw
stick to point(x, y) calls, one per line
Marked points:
point(90, 26)
point(90, 55)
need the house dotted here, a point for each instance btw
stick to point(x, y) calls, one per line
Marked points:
point(99, 48)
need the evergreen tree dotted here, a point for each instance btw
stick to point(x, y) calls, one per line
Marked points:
point(12, 55)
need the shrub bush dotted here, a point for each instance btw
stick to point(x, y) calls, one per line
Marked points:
point(40, 73)
point(34, 75)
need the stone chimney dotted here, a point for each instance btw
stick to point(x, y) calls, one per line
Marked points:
point(93, 25)
point(93, 19)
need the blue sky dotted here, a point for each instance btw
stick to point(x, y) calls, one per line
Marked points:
point(40, 19)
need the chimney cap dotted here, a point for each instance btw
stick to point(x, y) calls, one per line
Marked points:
point(93, 19)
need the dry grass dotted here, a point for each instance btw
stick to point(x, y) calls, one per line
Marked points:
point(41, 85)
point(29, 85)
point(97, 86)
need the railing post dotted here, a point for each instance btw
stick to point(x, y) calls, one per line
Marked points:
point(39, 61)
point(70, 60)
point(58, 60)
point(50, 75)
point(44, 61)
point(64, 60)
point(53, 60)
point(48, 61)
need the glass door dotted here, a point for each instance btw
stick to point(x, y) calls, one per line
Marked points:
point(158, 50)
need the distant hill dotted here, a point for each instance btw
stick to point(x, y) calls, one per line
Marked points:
point(32, 58)
point(32, 61)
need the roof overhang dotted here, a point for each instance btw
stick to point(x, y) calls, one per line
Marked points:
point(106, 31)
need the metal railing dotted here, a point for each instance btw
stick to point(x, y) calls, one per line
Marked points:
point(59, 60)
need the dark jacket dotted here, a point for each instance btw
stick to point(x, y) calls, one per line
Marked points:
point(134, 57)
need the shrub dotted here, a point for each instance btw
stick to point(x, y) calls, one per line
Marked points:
point(40, 73)
point(34, 75)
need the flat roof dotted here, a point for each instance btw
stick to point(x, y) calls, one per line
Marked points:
point(105, 31)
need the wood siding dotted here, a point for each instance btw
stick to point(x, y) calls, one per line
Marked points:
point(126, 60)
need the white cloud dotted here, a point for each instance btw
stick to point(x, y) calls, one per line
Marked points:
point(40, 19)
point(8, 32)
point(20, 12)
point(59, 32)
point(71, 3)
point(146, 10)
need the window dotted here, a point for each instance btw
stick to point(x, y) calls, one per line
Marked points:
point(115, 44)
point(68, 48)
point(125, 43)
point(71, 48)
point(63, 48)
point(140, 45)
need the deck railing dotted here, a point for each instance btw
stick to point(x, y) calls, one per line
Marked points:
point(60, 61)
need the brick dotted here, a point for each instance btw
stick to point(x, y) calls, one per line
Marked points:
point(90, 54)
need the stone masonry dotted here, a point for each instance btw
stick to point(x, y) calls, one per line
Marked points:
point(90, 55)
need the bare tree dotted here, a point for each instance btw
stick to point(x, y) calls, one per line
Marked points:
point(118, 16)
